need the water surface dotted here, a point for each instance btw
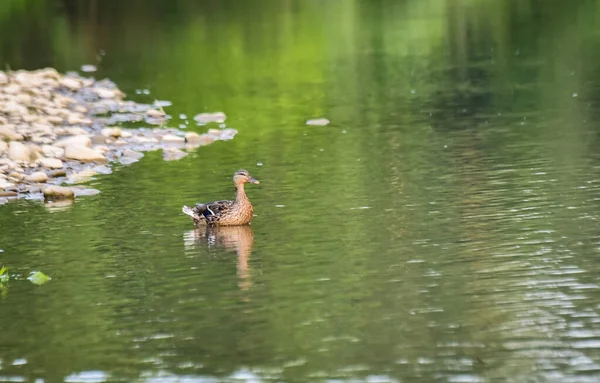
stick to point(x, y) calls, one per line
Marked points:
point(442, 227)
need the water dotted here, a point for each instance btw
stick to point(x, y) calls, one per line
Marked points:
point(441, 228)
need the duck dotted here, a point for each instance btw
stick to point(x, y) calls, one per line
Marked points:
point(225, 212)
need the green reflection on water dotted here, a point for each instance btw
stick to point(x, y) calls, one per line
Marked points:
point(440, 228)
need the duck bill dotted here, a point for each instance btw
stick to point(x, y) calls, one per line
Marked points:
point(254, 180)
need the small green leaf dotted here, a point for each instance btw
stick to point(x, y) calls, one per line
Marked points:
point(38, 278)
point(3, 274)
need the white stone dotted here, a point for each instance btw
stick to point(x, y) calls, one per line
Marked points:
point(18, 152)
point(84, 154)
point(82, 176)
point(105, 92)
point(70, 83)
point(9, 133)
point(74, 140)
point(50, 163)
point(173, 138)
point(58, 192)
point(3, 146)
point(53, 151)
point(37, 177)
point(112, 132)
point(4, 184)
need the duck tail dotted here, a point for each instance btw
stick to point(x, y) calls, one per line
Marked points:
point(190, 211)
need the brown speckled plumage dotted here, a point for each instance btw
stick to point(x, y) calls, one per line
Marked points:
point(225, 213)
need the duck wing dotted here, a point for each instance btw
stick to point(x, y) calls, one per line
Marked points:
point(213, 211)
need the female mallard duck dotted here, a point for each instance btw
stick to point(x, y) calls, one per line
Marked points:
point(225, 213)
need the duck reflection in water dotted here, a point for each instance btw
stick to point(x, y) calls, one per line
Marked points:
point(233, 238)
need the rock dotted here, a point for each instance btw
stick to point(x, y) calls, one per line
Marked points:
point(3, 146)
point(50, 163)
point(132, 154)
point(18, 152)
point(205, 118)
point(84, 154)
point(192, 137)
point(9, 133)
point(112, 132)
point(78, 119)
point(37, 177)
point(70, 83)
point(58, 173)
point(74, 140)
point(3, 78)
point(318, 122)
point(76, 131)
point(173, 138)
point(98, 139)
point(105, 93)
point(53, 151)
point(155, 113)
point(8, 193)
point(16, 175)
point(5, 184)
point(58, 192)
point(85, 192)
point(173, 154)
point(82, 176)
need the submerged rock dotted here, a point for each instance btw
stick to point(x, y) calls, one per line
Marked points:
point(58, 192)
point(84, 154)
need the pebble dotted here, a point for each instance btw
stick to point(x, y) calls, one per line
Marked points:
point(50, 163)
point(18, 152)
point(37, 177)
point(84, 154)
point(82, 176)
point(53, 151)
point(173, 138)
point(74, 141)
point(9, 133)
point(58, 192)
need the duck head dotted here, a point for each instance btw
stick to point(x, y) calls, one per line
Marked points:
point(242, 176)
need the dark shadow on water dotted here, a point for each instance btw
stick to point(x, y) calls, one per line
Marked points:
point(231, 238)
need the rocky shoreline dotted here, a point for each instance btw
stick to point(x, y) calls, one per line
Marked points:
point(58, 130)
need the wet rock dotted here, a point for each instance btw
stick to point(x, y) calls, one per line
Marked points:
point(50, 163)
point(74, 141)
point(53, 151)
point(37, 177)
point(88, 68)
point(205, 118)
point(4, 184)
point(98, 139)
point(18, 152)
point(58, 192)
point(82, 176)
point(84, 154)
point(173, 154)
point(112, 132)
point(155, 113)
point(71, 83)
point(192, 137)
point(58, 173)
point(9, 133)
point(85, 192)
point(173, 138)
point(318, 122)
